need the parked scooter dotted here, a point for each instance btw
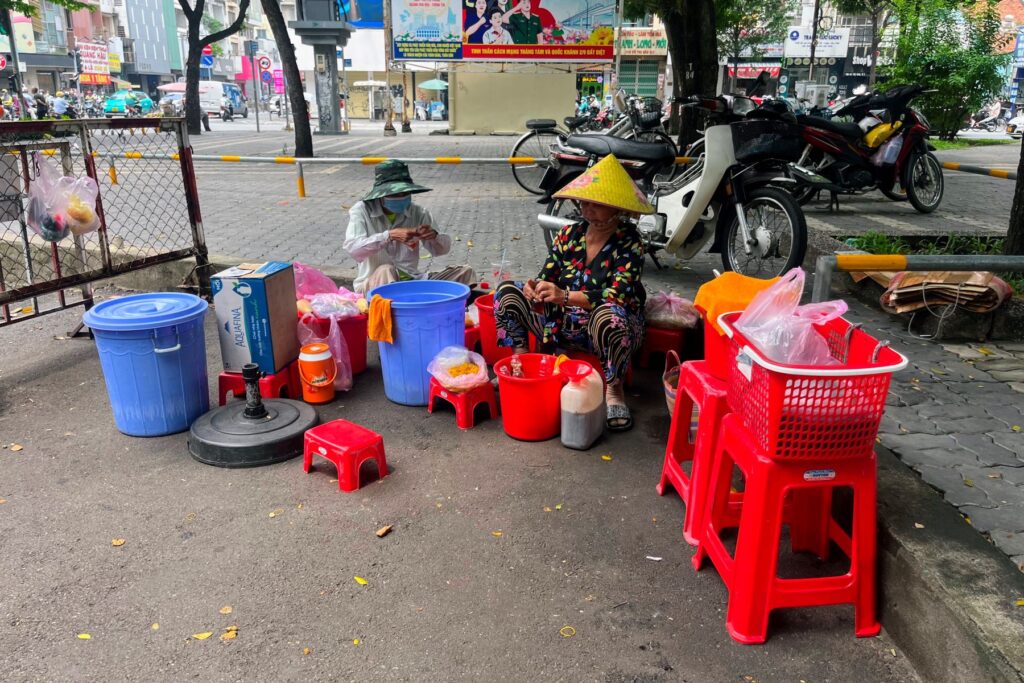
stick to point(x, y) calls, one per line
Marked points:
point(227, 111)
point(731, 196)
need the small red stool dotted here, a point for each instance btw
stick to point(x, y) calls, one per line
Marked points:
point(750, 575)
point(659, 340)
point(697, 386)
point(348, 446)
point(283, 383)
point(465, 403)
point(473, 338)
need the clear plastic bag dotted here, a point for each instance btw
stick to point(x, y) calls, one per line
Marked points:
point(337, 305)
point(889, 152)
point(782, 329)
point(669, 310)
point(48, 201)
point(310, 281)
point(81, 206)
point(458, 369)
point(335, 341)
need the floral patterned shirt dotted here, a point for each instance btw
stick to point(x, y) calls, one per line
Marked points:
point(612, 277)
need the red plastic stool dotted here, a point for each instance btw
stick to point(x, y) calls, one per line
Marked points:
point(659, 340)
point(348, 446)
point(473, 338)
point(465, 403)
point(283, 383)
point(750, 575)
point(697, 386)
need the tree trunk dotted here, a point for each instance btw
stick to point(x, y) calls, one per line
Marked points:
point(300, 110)
point(876, 40)
point(193, 108)
point(694, 59)
point(1014, 244)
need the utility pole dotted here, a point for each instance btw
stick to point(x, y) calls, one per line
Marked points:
point(23, 108)
point(389, 127)
point(816, 19)
point(618, 44)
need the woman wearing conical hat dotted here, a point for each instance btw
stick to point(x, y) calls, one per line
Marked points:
point(588, 296)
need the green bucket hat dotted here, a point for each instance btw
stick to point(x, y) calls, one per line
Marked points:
point(392, 177)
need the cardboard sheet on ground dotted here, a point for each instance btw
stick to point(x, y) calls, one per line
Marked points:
point(975, 291)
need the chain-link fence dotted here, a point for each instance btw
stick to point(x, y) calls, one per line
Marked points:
point(147, 209)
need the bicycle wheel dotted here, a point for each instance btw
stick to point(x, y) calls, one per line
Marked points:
point(536, 145)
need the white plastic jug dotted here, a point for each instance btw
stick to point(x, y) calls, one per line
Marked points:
point(582, 402)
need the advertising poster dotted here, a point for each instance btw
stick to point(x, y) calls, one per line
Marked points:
point(831, 44)
point(503, 30)
point(94, 62)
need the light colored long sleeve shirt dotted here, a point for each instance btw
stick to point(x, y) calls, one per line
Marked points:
point(368, 242)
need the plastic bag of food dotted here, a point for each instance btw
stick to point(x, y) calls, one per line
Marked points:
point(782, 329)
point(458, 369)
point(335, 341)
point(310, 281)
point(48, 200)
point(81, 207)
point(336, 305)
point(669, 310)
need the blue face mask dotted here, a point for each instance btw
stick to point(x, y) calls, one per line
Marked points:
point(397, 204)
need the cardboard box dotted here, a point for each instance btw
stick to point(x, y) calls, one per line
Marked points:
point(256, 314)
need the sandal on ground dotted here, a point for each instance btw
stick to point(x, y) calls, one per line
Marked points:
point(619, 418)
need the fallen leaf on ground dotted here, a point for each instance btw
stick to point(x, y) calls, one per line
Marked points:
point(84, 636)
point(384, 530)
point(278, 511)
point(997, 475)
point(26, 310)
point(2, 501)
point(655, 559)
point(202, 636)
point(230, 633)
point(547, 509)
point(968, 482)
point(968, 520)
point(226, 609)
point(1019, 602)
point(1015, 428)
point(299, 506)
point(306, 651)
point(15, 447)
point(155, 627)
point(469, 243)
point(356, 641)
point(918, 525)
point(361, 581)
point(496, 534)
point(985, 352)
point(117, 542)
point(892, 651)
point(567, 631)
point(606, 458)
point(558, 507)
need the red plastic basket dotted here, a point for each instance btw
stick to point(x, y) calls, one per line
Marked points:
point(800, 412)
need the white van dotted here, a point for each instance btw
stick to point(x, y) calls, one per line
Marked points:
point(210, 93)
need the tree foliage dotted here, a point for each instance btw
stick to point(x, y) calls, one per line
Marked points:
point(749, 26)
point(953, 52)
point(29, 9)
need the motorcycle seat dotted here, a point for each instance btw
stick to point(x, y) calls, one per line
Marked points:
point(847, 130)
point(603, 145)
point(541, 124)
point(573, 121)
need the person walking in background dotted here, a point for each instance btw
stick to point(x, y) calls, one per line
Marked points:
point(59, 105)
point(39, 102)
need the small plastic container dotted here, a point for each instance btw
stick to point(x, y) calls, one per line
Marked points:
point(582, 401)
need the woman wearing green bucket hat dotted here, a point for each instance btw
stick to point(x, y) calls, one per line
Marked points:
point(385, 231)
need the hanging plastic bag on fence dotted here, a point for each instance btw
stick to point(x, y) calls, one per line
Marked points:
point(669, 310)
point(458, 369)
point(81, 211)
point(335, 342)
point(782, 329)
point(48, 198)
point(338, 305)
point(310, 281)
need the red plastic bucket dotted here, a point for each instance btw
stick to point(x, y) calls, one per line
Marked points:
point(530, 405)
point(491, 352)
point(353, 329)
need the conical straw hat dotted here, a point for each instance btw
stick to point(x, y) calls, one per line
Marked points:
point(607, 183)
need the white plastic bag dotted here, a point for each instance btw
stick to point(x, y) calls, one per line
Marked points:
point(335, 341)
point(782, 329)
point(669, 310)
point(81, 206)
point(889, 152)
point(458, 369)
point(48, 201)
point(338, 305)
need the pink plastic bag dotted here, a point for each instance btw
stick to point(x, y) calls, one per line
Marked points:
point(669, 310)
point(310, 281)
point(48, 201)
point(335, 342)
point(784, 330)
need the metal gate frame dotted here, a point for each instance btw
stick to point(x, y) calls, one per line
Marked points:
point(24, 137)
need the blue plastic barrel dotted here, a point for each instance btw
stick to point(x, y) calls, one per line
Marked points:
point(153, 352)
point(427, 315)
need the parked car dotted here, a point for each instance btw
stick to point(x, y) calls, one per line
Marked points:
point(1015, 127)
point(120, 102)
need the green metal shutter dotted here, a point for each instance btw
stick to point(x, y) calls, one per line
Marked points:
point(640, 77)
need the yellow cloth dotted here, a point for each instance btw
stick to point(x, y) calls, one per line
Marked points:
point(727, 293)
point(379, 324)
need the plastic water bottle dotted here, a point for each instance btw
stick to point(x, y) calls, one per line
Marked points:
point(582, 401)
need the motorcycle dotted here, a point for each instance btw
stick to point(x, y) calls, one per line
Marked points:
point(731, 196)
point(227, 112)
point(886, 149)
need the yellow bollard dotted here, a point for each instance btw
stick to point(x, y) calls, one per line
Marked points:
point(301, 180)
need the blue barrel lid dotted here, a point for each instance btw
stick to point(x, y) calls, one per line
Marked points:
point(145, 311)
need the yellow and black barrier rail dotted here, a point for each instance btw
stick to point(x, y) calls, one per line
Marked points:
point(979, 170)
